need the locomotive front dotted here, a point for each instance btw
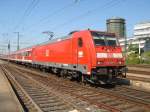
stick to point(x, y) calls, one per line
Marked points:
point(110, 62)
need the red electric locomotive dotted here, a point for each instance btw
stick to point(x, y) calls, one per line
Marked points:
point(86, 55)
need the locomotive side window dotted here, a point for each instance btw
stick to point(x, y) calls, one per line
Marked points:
point(80, 42)
point(29, 53)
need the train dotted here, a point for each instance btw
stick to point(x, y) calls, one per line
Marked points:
point(87, 55)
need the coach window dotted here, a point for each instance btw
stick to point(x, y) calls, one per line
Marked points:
point(80, 42)
point(29, 53)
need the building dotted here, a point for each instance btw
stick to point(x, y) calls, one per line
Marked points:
point(132, 41)
point(117, 25)
point(142, 33)
point(147, 45)
point(140, 37)
point(142, 30)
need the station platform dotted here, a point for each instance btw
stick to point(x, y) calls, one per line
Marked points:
point(8, 99)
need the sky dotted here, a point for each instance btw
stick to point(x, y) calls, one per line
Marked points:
point(32, 17)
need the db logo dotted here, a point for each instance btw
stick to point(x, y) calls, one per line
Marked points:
point(109, 55)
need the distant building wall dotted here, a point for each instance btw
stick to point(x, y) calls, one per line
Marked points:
point(117, 25)
point(132, 41)
point(140, 37)
point(147, 45)
point(142, 30)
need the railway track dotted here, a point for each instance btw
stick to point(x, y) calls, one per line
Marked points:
point(140, 65)
point(142, 73)
point(139, 69)
point(139, 72)
point(120, 98)
point(36, 97)
point(136, 78)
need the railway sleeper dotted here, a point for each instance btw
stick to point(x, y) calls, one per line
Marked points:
point(135, 109)
point(56, 104)
point(126, 106)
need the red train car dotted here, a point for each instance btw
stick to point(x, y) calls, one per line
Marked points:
point(23, 56)
point(86, 55)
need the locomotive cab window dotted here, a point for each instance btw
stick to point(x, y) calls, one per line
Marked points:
point(98, 39)
point(103, 39)
point(111, 41)
point(80, 42)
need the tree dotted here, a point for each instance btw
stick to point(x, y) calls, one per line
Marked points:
point(132, 48)
point(146, 57)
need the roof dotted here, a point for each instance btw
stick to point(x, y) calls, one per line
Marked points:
point(116, 18)
point(58, 39)
point(144, 22)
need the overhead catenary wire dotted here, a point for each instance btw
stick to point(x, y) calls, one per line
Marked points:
point(108, 5)
point(103, 7)
point(33, 6)
point(47, 17)
point(115, 4)
point(27, 12)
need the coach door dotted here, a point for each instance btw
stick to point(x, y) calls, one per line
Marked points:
point(34, 54)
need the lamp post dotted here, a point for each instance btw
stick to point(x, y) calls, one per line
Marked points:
point(18, 38)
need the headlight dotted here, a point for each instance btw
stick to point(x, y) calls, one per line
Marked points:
point(120, 62)
point(100, 62)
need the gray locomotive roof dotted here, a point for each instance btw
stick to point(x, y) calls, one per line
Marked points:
point(55, 40)
point(52, 41)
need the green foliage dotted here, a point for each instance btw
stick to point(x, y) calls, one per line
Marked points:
point(147, 53)
point(146, 57)
point(133, 56)
point(133, 59)
point(133, 48)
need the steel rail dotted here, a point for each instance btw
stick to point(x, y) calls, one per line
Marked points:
point(123, 98)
